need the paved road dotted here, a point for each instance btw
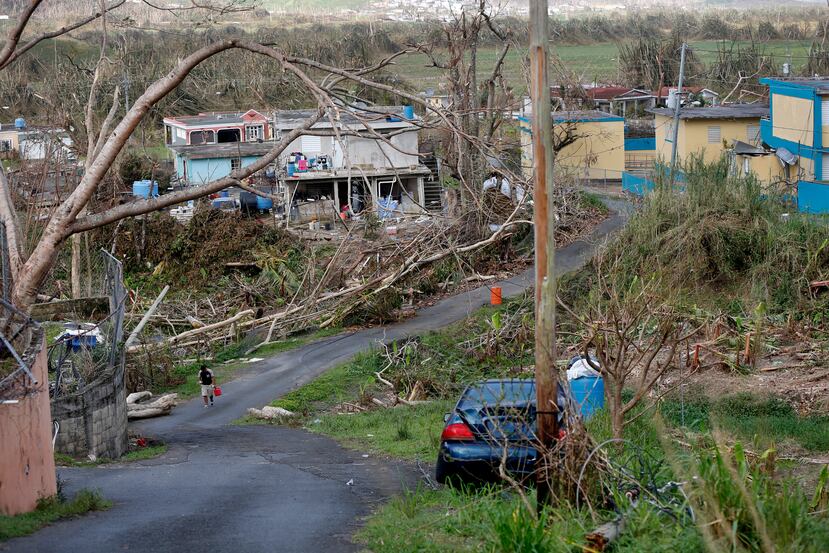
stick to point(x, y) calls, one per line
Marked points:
point(255, 489)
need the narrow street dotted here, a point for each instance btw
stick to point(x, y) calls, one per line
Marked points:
point(226, 488)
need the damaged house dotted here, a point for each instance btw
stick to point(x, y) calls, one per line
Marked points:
point(370, 161)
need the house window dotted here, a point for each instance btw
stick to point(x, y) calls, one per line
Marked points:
point(714, 134)
point(254, 133)
point(202, 137)
point(6, 145)
point(753, 134)
point(235, 164)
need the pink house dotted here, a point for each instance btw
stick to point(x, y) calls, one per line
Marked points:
point(217, 128)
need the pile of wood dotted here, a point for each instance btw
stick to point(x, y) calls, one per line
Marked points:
point(141, 405)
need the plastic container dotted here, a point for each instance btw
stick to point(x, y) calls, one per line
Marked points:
point(588, 393)
point(144, 188)
point(291, 169)
point(408, 112)
point(264, 204)
point(495, 295)
point(303, 164)
point(224, 194)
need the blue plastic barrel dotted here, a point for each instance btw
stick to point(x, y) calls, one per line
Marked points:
point(588, 394)
point(291, 169)
point(224, 194)
point(141, 188)
point(408, 112)
point(263, 204)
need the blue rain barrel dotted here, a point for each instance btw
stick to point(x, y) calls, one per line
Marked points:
point(408, 112)
point(263, 203)
point(144, 188)
point(588, 394)
point(224, 194)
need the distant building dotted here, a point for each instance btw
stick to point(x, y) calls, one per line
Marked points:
point(708, 131)
point(597, 144)
point(691, 95)
point(35, 143)
point(617, 100)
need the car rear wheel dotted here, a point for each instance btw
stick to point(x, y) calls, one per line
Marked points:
point(446, 473)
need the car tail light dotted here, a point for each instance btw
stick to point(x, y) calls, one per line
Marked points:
point(457, 432)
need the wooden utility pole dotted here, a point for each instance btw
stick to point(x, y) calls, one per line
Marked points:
point(546, 378)
point(677, 106)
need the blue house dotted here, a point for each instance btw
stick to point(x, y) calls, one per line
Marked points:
point(798, 130)
point(199, 164)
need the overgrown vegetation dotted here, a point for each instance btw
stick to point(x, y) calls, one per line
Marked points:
point(722, 243)
point(48, 511)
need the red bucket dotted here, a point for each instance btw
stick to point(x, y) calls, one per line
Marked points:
point(217, 391)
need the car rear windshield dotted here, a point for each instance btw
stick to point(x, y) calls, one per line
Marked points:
point(493, 393)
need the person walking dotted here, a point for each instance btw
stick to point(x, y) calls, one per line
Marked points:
point(208, 384)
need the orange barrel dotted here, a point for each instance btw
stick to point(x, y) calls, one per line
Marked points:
point(495, 295)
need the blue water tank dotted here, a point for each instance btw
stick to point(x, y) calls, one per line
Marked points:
point(264, 204)
point(408, 112)
point(588, 393)
point(145, 188)
point(19, 123)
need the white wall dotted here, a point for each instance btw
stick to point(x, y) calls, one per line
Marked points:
point(364, 151)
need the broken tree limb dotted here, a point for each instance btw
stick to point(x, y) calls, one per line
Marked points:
point(604, 535)
point(138, 397)
point(196, 331)
point(161, 406)
point(134, 334)
point(194, 322)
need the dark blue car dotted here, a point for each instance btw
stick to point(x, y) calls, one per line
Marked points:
point(491, 418)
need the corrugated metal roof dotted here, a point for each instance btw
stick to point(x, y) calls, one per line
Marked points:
point(377, 115)
point(733, 111)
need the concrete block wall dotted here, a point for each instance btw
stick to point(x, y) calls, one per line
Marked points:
point(94, 420)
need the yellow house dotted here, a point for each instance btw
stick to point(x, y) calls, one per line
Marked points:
point(9, 139)
point(775, 169)
point(589, 143)
point(707, 131)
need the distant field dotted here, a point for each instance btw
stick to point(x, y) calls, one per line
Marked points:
point(591, 62)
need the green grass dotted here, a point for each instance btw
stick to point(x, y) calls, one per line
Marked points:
point(405, 432)
point(224, 366)
point(765, 421)
point(589, 61)
point(48, 511)
point(335, 385)
point(149, 452)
